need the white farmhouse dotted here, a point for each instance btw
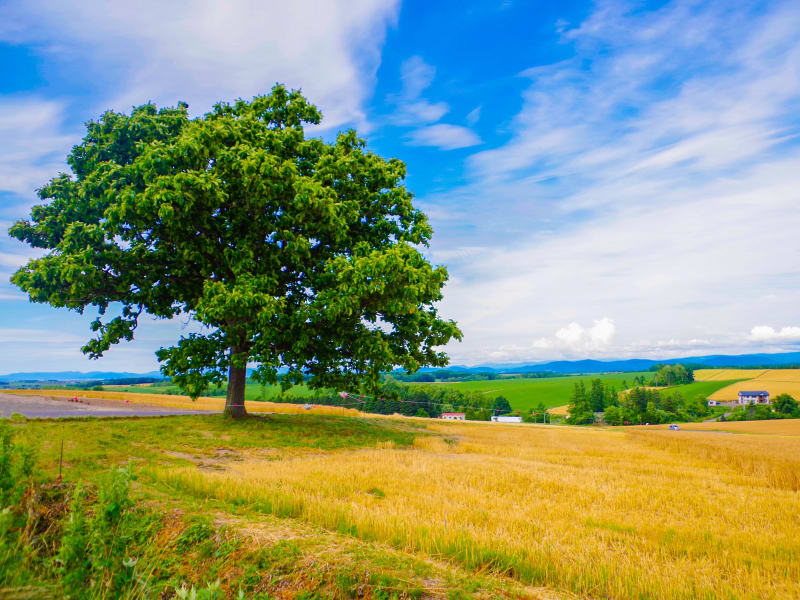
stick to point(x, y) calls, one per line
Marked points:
point(760, 397)
point(744, 397)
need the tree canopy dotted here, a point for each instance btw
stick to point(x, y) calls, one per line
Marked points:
point(292, 252)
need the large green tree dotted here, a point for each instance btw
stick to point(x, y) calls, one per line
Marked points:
point(292, 252)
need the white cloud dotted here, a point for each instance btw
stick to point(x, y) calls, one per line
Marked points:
point(12, 296)
point(29, 336)
point(571, 341)
point(33, 142)
point(474, 115)
point(419, 112)
point(417, 76)
point(763, 333)
point(207, 51)
point(9, 259)
point(570, 335)
point(575, 337)
point(412, 109)
point(653, 177)
point(602, 332)
point(444, 136)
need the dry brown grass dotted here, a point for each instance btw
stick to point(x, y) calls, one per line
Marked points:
point(186, 403)
point(603, 513)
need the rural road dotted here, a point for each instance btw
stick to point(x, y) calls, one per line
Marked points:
point(41, 407)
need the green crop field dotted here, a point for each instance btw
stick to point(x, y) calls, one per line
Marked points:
point(701, 389)
point(552, 391)
point(556, 391)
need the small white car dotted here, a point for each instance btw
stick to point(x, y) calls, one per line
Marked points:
point(674, 427)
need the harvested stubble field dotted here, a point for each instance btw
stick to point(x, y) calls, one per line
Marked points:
point(769, 427)
point(600, 513)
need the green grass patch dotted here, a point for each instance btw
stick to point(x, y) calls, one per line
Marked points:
point(91, 443)
point(133, 535)
point(523, 394)
point(701, 390)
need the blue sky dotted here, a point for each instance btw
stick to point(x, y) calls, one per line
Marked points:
point(605, 179)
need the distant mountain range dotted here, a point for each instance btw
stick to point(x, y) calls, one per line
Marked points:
point(639, 364)
point(560, 366)
point(74, 375)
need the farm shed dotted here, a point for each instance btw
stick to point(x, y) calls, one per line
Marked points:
point(721, 402)
point(506, 419)
point(451, 416)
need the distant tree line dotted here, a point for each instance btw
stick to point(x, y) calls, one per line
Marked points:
point(668, 375)
point(122, 381)
point(643, 405)
point(410, 400)
point(585, 403)
point(631, 406)
point(435, 375)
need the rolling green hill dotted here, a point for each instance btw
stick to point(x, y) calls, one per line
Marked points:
point(701, 389)
point(523, 394)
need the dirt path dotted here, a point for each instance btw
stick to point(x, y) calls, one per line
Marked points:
point(53, 407)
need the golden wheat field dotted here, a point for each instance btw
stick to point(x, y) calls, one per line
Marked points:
point(727, 374)
point(775, 381)
point(186, 403)
point(770, 427)
point(597, 512)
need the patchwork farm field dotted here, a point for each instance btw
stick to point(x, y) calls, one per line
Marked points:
point(524, 393)
point(724, 374)
point(775, 381)
point(555, 392)
point(323, 506)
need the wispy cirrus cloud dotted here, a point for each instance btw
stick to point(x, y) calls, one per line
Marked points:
point(444, 136)
point(412, 109)
point(34, 143)
point(651, 177)
point(206, 51)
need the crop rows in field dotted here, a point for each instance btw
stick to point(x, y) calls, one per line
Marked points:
point(775, 381)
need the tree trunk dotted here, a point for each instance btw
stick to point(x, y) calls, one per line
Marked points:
point(234, 401)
